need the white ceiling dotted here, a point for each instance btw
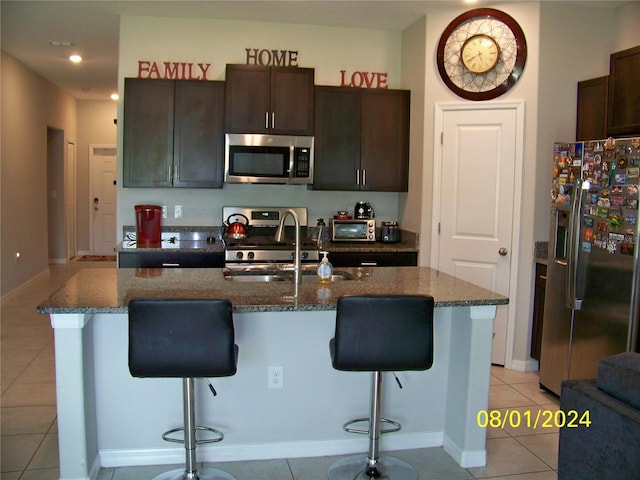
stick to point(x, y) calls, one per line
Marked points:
point(92, 27)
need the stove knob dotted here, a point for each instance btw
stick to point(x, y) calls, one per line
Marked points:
point(250, 255)
point(305, 255)
point(239, 255)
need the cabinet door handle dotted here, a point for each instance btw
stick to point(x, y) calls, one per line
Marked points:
point(364, 176)
point(369, 264)
point(266, 119)
point(357, 176)
point(170, 264)
point(273, 119)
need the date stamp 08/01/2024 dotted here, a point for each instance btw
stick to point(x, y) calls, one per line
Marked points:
point(533, 419)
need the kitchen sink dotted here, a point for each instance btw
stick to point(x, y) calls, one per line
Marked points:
point(336, 277)
point(257, 277)
point(262, 276)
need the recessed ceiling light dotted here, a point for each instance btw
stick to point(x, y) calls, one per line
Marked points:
point(75, 58)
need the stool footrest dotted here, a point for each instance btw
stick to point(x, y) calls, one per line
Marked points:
point(395, 426)
point(220, 436)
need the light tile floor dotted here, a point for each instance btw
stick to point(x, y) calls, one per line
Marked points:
point(28, 428)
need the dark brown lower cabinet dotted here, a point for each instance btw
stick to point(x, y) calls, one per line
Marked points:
point(538, 310)
point(373, 259)
point(170, 259)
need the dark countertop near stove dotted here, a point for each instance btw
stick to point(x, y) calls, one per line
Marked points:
point(210, 239)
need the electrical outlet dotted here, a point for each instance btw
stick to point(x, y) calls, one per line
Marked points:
point(276, 376)
point(164, 211)
point(178, 211)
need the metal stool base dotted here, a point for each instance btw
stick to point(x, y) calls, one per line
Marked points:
point(355, 468)
point(205, 473)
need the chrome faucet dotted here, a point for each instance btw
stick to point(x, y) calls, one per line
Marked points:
point(297, 271)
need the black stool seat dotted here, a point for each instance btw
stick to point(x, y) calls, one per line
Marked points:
point(379, 333)
point(183, 338)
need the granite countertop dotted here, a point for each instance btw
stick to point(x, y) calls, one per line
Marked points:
point(102, 290)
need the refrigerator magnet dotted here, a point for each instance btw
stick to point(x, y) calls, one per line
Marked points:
point(627, 249)
point(622, 162)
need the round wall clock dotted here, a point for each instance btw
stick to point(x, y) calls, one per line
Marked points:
point(481, 54)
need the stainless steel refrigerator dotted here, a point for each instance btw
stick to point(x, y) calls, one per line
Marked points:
point(592, 292)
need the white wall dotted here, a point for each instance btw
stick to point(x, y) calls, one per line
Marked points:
point(627, 33)
point(326, 49)
point(415, 206)
point(30, 104)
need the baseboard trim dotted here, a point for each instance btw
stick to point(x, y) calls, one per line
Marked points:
point(530, 365)
point(57, 261)
point(16, 291)
point(266, 451)
point(465, 458)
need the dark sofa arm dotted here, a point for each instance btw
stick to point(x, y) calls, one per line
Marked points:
point(609, 449)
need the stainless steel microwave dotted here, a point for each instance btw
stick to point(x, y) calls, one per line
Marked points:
point(355, 230)
point(256, 158)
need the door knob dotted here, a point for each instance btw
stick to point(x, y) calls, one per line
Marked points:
point(503, 252)
point(95, 203)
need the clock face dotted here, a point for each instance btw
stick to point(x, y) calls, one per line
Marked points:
point(481, 54)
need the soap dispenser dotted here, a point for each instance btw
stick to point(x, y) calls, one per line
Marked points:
point(325, 269)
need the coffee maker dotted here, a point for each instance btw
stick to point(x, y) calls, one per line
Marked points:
point(148, 225)
point(363, 210)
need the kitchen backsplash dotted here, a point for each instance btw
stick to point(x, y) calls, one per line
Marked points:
point(204, 207)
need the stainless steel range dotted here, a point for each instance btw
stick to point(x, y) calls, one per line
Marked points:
point(259, 248)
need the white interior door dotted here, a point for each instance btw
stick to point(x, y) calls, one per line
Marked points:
point(102, 161)
point(70, 198)
point(476, 198)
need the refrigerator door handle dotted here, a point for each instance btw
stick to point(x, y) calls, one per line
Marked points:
point(574, 246)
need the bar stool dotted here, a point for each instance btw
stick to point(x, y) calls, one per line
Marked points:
point(184, 339)
point(380, 334)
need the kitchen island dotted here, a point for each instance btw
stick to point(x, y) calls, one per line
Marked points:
point(108, 418)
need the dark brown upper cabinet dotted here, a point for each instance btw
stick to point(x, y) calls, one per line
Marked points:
point(623, 112)
point(362, 139)
point(173, 133)
point(269, 100)
point(591, 122)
